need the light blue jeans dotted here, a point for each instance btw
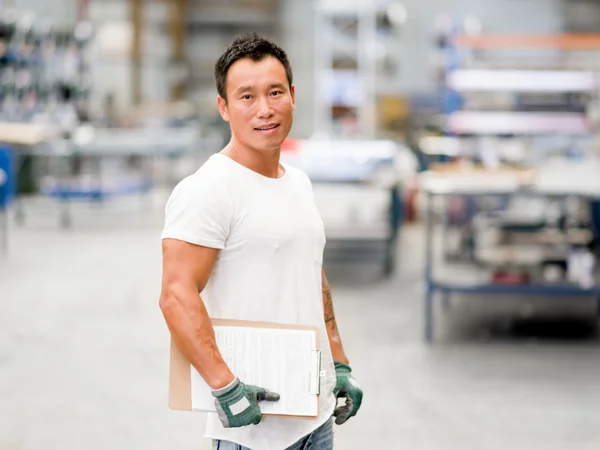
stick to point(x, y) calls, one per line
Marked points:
point(320, 439)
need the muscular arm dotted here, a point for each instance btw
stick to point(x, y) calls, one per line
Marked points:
point(186, 269)
point(332, 331)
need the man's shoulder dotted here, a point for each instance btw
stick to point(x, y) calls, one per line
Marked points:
point(211, 176)
point(294, 171)
point(211, 171)
point(298, 174)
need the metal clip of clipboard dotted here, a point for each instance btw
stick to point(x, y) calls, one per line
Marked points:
point(315, 375)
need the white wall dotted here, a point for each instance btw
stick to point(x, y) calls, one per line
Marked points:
point(61, 11)
point(581, 16)
point(112, 73)
point(298, 40)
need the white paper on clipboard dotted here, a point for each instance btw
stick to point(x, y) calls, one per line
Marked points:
point(286, 361)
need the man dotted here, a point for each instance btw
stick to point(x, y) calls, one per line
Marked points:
point(244, 232)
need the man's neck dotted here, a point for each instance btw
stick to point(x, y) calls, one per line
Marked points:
point(265, 163)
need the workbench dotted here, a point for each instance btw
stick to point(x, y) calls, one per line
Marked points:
point(558, 180)
point(96, 146)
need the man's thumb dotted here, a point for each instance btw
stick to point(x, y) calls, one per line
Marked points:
point(266, 395)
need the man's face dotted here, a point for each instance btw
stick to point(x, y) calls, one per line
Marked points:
point(260, 103)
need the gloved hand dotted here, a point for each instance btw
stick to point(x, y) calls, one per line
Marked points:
point(237, 404)
point(346, 387)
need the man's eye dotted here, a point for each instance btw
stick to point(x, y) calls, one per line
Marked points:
point(246, 97)
point(276, 92)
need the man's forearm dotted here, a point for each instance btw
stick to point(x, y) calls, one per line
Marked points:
point(330, 324)
point(194, 335)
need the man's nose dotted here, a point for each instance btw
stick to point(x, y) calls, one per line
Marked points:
point(265, 110)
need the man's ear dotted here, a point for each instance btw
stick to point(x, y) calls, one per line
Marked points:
point(293, 92)
point(222, 103)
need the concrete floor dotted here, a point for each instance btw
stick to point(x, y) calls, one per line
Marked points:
point(84, 351)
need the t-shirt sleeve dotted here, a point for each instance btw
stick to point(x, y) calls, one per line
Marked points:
point(199, 212)
point(307, 183)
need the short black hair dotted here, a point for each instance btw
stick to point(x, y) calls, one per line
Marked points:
point(250, 46)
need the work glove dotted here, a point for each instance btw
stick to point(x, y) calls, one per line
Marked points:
point(237, 404)
point(346, 387)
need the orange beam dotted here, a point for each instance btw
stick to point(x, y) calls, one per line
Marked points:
point(178, 10)
point(83, 10)
point(560, 41)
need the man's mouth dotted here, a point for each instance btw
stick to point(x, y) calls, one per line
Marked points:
point(268, 127)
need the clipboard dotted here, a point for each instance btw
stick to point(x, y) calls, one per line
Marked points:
point(180, 373)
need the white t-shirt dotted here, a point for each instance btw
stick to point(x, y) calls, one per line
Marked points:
point(271, 238)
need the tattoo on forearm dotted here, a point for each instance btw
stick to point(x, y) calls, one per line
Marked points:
point(328, 309)
point(328, 305)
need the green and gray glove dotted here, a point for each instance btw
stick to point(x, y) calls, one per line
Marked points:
point(237, 404)
point(346, 387)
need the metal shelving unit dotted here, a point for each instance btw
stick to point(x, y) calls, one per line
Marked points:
point(467, 73)
point(362, 215)
point(471, 75)
point(345, 68)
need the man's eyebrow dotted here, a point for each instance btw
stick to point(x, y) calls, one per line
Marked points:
point(246, 88)
point(243, 89)
point(277, 85)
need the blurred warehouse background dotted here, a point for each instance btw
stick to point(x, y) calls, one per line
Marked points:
point(454, 153)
